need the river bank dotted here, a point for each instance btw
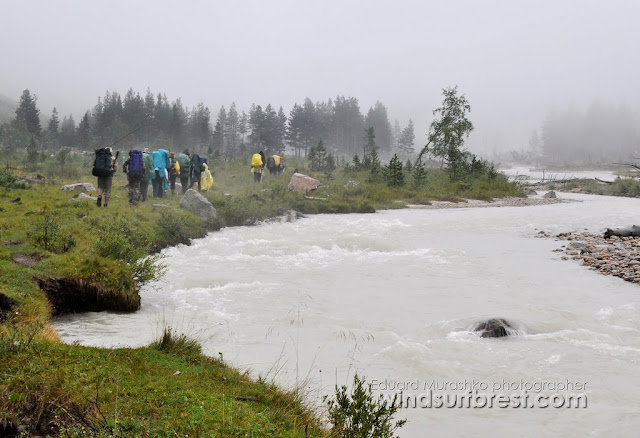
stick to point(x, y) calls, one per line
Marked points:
point(48, 234)
point(616, 256)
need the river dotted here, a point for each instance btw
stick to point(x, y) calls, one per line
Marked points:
point(392, 295)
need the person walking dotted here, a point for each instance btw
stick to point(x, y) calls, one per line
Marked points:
point(257, 165)
point(149, 173)
point(174, 172)
point(196, 171)
point(134, 168)
point(185, 168)
point(104, 166)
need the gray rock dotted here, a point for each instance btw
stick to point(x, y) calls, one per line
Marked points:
point(302, 183)
point(351, 184)
point(529, 191)
point(85, 187)
point(494, 328)
point(83, 197)
point(550, 195)
point(199, 205)
point(160, 205)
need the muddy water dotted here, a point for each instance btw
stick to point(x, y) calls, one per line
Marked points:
point(392, 295)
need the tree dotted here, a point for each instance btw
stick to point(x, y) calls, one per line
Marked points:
point(378, 119)
point(84, 131)
point(28, 114)
point(393, 174)
point(449, 130)
point(54, 123)
point(406, 139)
point(67, 136)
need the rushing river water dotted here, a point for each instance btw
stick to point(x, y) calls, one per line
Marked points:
point(391, 295)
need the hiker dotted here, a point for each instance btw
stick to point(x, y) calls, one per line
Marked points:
point(135, 170)
point(275, 164)
point(161, 163)
point(206, 179)
point(257, 164)
point(196, 171)
point(174, 172)
point(149, 173)
point(104, 166)
point(185, 167)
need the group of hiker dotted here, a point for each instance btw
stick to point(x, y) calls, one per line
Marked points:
point(161, 169)
point(274, 163)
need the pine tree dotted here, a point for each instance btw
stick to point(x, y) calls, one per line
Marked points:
point(28, 114)
point(393, 174)
point(54, 123)
point(84, 131)
point(419, 175)
point(405, 142)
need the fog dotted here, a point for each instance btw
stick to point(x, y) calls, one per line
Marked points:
point(513, 60)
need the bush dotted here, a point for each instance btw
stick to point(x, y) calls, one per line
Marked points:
point(9, 181)
point(47, 235)
point(359, 415)
point(178, 345)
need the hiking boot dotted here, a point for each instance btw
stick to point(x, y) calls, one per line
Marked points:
point(99, 201)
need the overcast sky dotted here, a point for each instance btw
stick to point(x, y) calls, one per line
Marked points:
point(512, 59)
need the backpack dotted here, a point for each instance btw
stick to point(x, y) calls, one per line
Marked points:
point(271, 163)
point(136, 166)
point(185, 162)
point(102, 163)
point(256, 160)
point(203, 160)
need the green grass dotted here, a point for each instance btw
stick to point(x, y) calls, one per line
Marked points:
point(626, 187)
point(134, 392)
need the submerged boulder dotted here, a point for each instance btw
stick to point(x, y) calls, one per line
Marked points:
point(199, 205)
point(495, 328)
point(302, 183)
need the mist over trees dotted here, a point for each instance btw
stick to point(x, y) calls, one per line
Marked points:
point(600, 134)
point(158, 122)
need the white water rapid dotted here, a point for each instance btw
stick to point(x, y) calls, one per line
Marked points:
point(391, 295)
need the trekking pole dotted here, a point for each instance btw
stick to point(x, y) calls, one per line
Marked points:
point(125, 136)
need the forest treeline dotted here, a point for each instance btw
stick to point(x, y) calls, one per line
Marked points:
point(157, 122)
point(601, 134)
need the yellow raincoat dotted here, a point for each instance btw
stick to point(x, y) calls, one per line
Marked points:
point(206, 179)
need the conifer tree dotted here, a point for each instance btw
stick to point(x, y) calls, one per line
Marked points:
point(28, 114)
point(54, 123)
point(419, 175)
point(392, 173)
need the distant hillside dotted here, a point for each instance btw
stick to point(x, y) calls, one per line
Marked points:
point(7, 108)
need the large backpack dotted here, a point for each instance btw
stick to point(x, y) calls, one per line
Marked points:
point(185, 164)
point(203, 160)
point(256, 160)
point(271, 163)
point(102, 163)
point(136, 163)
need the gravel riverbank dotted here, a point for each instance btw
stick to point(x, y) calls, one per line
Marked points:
point(498, 202)
point(619, 256)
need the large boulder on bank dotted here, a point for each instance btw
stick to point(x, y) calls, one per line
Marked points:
point(199, 205)
point(85, 187)
point(550, 195)
point(302, 183)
